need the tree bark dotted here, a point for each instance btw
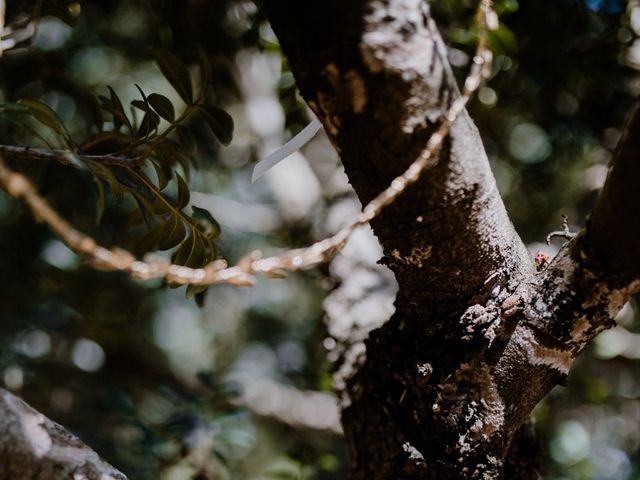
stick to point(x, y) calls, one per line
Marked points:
point(33, 447)
point(478, 337)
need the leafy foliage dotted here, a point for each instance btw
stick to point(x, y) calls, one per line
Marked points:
point(146, 409)
point(126, 152)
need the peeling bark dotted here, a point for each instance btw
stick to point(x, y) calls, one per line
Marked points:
point(33, 447)
point(446, 385)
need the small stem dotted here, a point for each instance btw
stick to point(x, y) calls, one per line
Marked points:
point(28, 153)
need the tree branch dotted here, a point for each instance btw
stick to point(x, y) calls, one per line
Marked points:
point(65, 157)
point(441, 392)
point(580, 292)
point(32, 446)
point(423, 401)
point(301, 409)
point(614, 228)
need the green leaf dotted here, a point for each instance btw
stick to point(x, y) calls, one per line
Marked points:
point(219, 121)
point(119, 118)
point(140, 105)
point(186, 140)
point(175, 72)
point(101, 171)
point(95, 110)
point(148, 242)
point(163, 106)
point(191, 253)
point(145, 206)
point(205, 72)
point(213, 230)
point(99, 201)
point(172, 233)
point(195, 290)
point(151, 120)
point(149, 123)
point(183, 192)
point(183, 160)
point(160, 206)
point(106, 142)
point(133, 218)
point(45, 115)
point(163, 180)
point(117, 110)
point(200, 297)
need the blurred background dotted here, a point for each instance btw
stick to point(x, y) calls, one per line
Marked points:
point(240, 387)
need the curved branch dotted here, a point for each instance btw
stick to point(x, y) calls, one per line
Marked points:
point(32, 446)
point(581, 291)
point(302, 409)
point(614, 228)
point(66, 157)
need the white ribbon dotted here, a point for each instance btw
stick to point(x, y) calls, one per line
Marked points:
point(292, 146)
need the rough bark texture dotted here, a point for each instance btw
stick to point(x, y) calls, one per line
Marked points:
point(32, 447)
point(478, 336)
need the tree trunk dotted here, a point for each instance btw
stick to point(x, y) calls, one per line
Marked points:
point(33, 447)
point(446, 386)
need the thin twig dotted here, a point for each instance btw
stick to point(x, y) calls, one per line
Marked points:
point(244, 273)
point(66, 157)
point(564, 233)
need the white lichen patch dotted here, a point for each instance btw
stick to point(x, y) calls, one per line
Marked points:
point(395, 38)
point(464, 445)
point(483, 410)
point(31, 423)
point(414, 453)
point(490, 419)
point(540, 355)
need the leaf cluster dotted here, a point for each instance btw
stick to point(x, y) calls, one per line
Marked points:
point(147, 153)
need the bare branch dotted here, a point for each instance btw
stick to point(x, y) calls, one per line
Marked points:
point(32, 446)
point(289, 405)
point(66, 157)
point(614, 228)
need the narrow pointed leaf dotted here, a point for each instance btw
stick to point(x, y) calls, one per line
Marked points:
point(183, 192)
point(149, 123)
point(219, 121)
point(163, 180)
point(160, 206)
point(187, 142)
point(175, 72)
point(118, 110)
point(205, 72)
point(140, 105)
point(190, 252)
point(172, 233)
point(45, 115)
point(100, 201)
point(149, 241)
point(213, 227)
point(145, 206)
